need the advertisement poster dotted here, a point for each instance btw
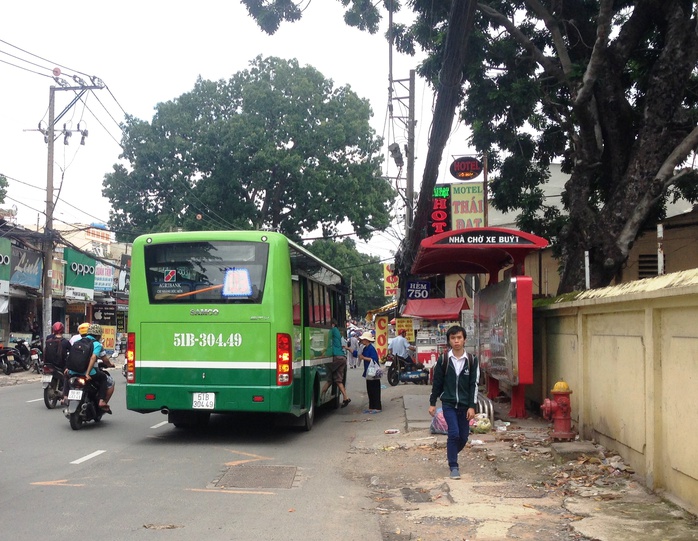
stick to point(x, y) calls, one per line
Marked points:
point(108, 336)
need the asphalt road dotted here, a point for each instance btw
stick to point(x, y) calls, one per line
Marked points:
point(134, 476)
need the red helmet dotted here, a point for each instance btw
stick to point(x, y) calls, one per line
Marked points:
point(57, 327)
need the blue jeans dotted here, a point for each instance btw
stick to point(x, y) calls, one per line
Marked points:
point(458, 431)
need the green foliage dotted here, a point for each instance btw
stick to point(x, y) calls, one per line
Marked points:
point(363, 272)
point(3, 188)
point(277, 146)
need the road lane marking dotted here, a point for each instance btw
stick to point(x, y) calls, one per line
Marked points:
point(88, 457)
point(253, 458)
point(159, 424)
point(57, 483)
point(35, 400)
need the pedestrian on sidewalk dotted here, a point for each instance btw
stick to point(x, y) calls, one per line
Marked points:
point(455, 382)
point(373, 385)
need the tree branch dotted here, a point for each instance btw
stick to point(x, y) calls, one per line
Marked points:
point(525, 42)
point(664, 178)
point(596, 60)
point(552, 26)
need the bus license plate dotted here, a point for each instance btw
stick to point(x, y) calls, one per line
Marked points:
point(204, 401)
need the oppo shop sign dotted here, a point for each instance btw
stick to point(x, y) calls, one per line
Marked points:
point(79, 275)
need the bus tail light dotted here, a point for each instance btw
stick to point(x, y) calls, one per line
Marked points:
point(131, 358)
point(284, 359)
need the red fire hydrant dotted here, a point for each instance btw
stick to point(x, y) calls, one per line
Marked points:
point(559, 411)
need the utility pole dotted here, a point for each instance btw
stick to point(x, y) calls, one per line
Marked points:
point(409, 189)
point(50, 138)
point(394, 148)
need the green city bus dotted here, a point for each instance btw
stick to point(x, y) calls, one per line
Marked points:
point(230, 321)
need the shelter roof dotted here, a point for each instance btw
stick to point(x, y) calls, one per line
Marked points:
point(475, 250)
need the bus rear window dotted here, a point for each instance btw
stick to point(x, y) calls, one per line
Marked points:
point(206, 272)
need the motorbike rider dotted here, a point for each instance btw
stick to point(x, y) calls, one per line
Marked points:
point(94, 333)
point(57, 346)
point(401, 348)
point(82, 331)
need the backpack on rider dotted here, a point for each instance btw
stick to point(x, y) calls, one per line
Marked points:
point(80, 354)
point(56, 348)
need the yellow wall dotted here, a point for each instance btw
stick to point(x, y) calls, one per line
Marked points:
point(630, 356)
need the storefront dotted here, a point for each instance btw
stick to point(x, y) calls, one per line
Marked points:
point(25, 291)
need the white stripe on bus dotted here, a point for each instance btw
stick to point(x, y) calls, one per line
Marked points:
point(227, 364)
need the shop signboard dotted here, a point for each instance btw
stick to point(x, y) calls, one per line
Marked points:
point(405, 324)
point(5, 255)
point(440, 215)
point(104, 277)
point(466, 168)
point(27, 268)
point(418, 289)
point(104, 314)
point(120, 321)
point(467, 205)
point(79, 276)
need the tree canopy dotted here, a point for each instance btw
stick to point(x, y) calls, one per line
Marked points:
point(277, 146)
point(607, 87)
point(363, 273)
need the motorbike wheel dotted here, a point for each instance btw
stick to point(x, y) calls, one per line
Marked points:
point(7, 368)
point(51, 396)
point(26, 362)
point(393, 375)
point(76, 420)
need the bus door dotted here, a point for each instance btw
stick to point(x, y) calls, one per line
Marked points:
point(300, 367)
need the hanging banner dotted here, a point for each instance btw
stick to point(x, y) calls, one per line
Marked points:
point(391, 282)
point(467, 205)
point(57, 278)
point(381, 343)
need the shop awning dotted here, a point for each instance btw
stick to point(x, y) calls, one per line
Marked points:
point(382, 310)
point(444, 309)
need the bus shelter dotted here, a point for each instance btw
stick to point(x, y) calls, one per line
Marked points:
point(503, 312)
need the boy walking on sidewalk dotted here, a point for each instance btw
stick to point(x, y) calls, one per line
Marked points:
point(455, 381)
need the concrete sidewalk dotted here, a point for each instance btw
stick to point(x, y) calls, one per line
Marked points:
point(516, 483)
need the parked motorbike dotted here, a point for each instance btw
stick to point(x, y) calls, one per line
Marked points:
point(405, 370)
point(52, 382)
point(11, 360)
point(31, 354)
point(83, 402)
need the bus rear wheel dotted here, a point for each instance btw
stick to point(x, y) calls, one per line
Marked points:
point(309, 416)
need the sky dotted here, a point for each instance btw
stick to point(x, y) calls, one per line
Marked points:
point(151, 52)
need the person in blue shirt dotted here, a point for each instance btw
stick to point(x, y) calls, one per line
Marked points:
point(373, 385)
point(339, 363)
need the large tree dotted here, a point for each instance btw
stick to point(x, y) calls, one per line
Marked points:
point(363, 273)
point(609, 87)
point(277, 146)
